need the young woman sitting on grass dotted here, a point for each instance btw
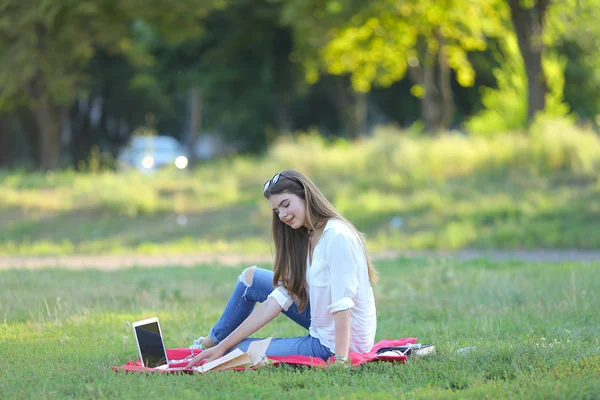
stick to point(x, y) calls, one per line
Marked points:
point(321, 279)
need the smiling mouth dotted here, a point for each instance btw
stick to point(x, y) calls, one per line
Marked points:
point(289, 222)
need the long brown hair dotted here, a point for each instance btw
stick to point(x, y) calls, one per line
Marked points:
point(291, 245)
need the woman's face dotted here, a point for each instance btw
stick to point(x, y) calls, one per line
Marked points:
point(290, 208)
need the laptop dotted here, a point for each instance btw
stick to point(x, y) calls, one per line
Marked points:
point(153, 354)
point(151, 346)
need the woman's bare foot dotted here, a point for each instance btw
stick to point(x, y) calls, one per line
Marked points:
point(202, 343)
point(207, 343)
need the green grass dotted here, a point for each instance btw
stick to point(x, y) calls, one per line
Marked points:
point(540, 190)
point(534, 326)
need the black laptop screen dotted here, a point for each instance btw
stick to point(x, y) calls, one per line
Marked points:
point(151, 345)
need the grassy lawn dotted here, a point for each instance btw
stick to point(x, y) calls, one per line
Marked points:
point(540, 190)
point(535, 328)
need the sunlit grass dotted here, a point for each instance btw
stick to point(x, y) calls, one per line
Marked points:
point(533, 327)
point(539, 190)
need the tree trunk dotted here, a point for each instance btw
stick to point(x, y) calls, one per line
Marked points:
point(424, 76)
point(432, 111)
point(445, 84)
point(360, 113)
point(31, 132)
point(351, 107)
point(195, 104)
point(8, 140)
point(50, 120)
point(528, 25)
point(283, 116)
point(81, 139)
point(343, 103)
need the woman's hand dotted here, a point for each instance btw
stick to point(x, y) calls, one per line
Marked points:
point(209, 355)
point(259, 318)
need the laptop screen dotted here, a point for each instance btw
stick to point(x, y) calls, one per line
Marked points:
point(151, 345)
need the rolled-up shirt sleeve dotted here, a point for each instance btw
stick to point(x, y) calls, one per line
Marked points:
point(341, 254)
point(282, 296)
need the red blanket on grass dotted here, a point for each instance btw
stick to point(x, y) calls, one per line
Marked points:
point(357, 358)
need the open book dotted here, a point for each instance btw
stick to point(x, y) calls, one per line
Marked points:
point(238, 358)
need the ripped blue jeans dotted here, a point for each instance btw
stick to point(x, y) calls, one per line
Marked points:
point(242, 302)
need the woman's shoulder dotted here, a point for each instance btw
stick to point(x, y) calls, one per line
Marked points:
point(339, 235)
point(337, 227)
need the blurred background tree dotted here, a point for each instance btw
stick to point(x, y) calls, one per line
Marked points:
point(79, 75)
point(426, 39)
point(47, 46)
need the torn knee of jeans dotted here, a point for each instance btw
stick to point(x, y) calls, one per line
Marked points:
point(247, 276)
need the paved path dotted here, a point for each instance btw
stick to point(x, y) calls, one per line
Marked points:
point(113, 262)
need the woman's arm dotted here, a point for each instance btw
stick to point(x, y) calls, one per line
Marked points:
point(342, 332)
point(256, 320)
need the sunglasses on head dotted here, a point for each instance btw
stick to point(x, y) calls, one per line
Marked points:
point(275, 179)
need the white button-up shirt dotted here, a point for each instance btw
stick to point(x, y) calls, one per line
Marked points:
point(338, 279)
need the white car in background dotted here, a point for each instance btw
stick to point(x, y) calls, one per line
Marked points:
point(149, 153)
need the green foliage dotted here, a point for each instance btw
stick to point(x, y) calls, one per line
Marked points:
point(98, 161)
point(137, 59)
point(110, 194)
point(533, 328)
point(378, 46)
point(311, 22)
point(46, 46)
point(574, 33)
point(505, 107)
point(554, 71)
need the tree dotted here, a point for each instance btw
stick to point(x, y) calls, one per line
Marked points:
point(241, 65)
point(508, 106)
point(45, 45)
point(382, 41)
point(528, 18)
point(312, 23)
point(572, 30)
